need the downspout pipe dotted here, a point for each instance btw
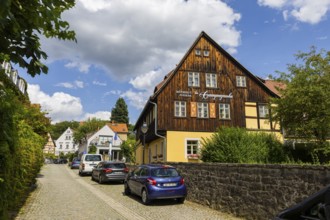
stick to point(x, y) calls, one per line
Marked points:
point(158, 135)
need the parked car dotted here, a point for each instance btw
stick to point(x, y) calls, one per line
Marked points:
point(87, 163)
point(153, 181)
point(75, 164)
point(315, 207)
point(61, 161)
point(109, 171)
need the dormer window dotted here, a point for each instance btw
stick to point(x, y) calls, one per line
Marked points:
point(198, 52)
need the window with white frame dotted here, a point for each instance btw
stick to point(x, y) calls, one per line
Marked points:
point(60, 146)
point(198, 52)
point(240, 81)
point(67, 146)
point(180, 109)
point(203, 110)
point(211, 80)
point(206, 53)
point(192, 148)
point(263, 111)
point(224, 111)
point(193, 79)
point(104, 140)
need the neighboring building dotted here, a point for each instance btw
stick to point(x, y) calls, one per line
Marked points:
point(208, 89)
point(49, 148)
point(120, 129)
point(12, 74)
point(107, 142)
point(65, 143)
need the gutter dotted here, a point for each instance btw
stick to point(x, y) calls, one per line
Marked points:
point(158, 135)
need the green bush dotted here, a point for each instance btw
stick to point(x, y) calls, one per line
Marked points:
point(236, 145)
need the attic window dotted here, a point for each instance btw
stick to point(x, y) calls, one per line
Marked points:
point(198, 52)
point(240, 81)
point(206, 53)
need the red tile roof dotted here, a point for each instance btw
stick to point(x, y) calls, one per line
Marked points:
point(274, 86)
point(118, 127)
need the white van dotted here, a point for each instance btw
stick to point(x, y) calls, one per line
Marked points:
point(87, 163)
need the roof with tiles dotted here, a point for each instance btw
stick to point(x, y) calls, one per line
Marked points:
point(118, 127)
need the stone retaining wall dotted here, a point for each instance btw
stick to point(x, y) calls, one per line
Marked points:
point(251, 191)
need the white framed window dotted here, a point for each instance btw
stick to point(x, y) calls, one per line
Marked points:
point(263, 111)
point(180, 109)
point(198, 52)
point(240, 81)
point(203, 110)
point(224, 111)
point(193, 79)
point(60, 146)
point(67, 146)
point(192, 148)
point(103, 140)
point(206, 53)
point(211, 80)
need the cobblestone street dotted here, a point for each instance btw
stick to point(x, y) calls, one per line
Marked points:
point(63, 194)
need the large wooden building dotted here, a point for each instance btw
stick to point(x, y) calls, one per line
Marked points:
point(208, 89)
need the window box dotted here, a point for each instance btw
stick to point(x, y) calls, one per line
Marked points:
point(193, 156)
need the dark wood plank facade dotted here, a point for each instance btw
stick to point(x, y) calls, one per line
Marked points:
point(211, 60)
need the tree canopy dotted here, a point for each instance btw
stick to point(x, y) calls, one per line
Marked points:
point(304, 108)
point(58, 128)
point(119, 113)
point(21, 25)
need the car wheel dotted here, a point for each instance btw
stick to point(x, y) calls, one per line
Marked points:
point(100, 179)
point(180, 200)
point(144, 197)
point(127, 189)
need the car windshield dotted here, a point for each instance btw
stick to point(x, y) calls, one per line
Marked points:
point(93, 158)
point(115, 165)
point(164, 172)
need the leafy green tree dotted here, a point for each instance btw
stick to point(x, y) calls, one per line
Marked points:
point(236, 145)
point(128, 150)
point(304, 108)
point(119, 113)
point(21, 25)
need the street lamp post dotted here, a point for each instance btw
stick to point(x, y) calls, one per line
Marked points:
point(144, 130)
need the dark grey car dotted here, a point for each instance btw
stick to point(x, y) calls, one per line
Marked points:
point(109, 171)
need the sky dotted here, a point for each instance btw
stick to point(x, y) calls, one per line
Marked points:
point(125, 48)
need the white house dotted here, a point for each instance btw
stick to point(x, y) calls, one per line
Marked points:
point(65, 143)
point(106, 141)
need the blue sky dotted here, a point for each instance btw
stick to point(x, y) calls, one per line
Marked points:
point(125, 48)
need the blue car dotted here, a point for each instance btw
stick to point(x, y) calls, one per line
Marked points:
point(75, 164)
point(153, 181)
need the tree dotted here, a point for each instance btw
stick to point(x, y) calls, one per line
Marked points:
point(304, 108)
point(120, 113)
point(128, 149)
point(22, 23)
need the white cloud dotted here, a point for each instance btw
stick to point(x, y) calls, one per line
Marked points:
point(76, 84)
point(95, 82)
point(60, 106)
point(128, 38)
point(83, 67)
point(309, 11)
point(136, 99)
point(102, 115)
point(148, 80)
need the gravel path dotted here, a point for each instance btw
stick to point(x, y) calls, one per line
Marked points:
point(63, 194)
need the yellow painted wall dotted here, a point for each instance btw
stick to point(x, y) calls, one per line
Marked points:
point(251, 123)
point(251, 111)
point(138, 154)
point(264, 124)
point(176, 144)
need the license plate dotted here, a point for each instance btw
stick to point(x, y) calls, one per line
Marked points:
point(169, 184)
point(92, 165)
